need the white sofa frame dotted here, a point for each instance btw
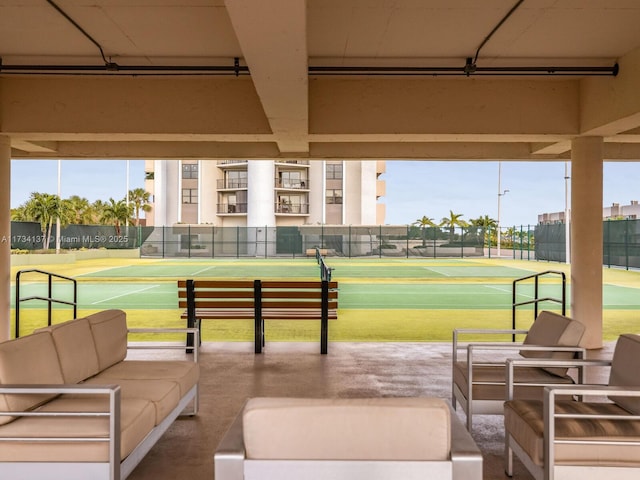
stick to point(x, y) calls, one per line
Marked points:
point(551, 471)
point(115, 468)
point(230, 462)
point(473, 406)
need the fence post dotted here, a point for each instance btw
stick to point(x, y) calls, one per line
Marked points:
point(380, 241)
point(188, 241)
point(349, 240)
point(238, 242)
point(407, 241)
point(163, 240)
point(266, 242)
point(626, 243)
point(461, 241)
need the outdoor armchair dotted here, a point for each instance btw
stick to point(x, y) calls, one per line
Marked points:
point(558, 438)
point(478, 376)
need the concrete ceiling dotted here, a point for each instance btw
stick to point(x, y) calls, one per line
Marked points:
point(157, 102)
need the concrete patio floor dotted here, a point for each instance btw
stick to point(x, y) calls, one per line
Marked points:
point(231, 373)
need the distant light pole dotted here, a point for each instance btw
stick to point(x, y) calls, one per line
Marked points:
point(59, 207)
point(567, 215)
point(501, 193)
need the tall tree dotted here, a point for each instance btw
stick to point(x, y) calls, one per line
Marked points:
point(117, 212)
point(489, 226)
point(452, 221)
point(43, 208)
point(140, 199)
point(424, 223)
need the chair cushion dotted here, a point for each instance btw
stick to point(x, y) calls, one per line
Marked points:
point(109, 330)
point(28, 360)
point(552, 329)
point(489, 381)
point(524, 421)
point(347, 429)
point(624, 370)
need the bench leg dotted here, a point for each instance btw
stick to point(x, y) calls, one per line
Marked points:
point(258, 330)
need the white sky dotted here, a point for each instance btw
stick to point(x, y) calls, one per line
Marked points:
point(414, 188)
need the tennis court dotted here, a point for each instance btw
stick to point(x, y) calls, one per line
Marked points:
point(380, 299)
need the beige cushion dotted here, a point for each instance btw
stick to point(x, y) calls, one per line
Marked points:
point(109, 330)
point(552, 329)
point(76, 349)
point(185, 373)
point(164, 395)
point(347, 429)
point(523, 419)
point(136, 420)
point(28, 360)
point(489, 381)
point(624, 370)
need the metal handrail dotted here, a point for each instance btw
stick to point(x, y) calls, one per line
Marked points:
point(49, 299)
point(536, 299)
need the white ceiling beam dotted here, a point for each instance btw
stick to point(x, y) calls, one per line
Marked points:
point(273, 39)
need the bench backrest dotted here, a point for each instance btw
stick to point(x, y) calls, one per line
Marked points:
point(216, 293)
point(295, 295)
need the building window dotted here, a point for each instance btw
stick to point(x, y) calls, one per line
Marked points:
point(334, 171)
point(189, 170)
point(334, 196)
point(236, 179)
point(189, 195)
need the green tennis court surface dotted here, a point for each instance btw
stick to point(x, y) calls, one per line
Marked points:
point(379, 299)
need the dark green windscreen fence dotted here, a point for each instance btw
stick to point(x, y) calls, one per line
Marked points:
point(542, 242)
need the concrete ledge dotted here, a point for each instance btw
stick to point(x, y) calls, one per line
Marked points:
point(71, 257)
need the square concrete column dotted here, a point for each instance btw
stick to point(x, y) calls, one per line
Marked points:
point(586, 237)
point(5, 237)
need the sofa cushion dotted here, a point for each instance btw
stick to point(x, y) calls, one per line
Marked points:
point(136, 421)
point(109, 330)
point(624, 370)
point(524, 421)
point(28, 360)
point(164, 395)
point(552, 329)
point(185, 373)
point(76, 349)
point(347, 429)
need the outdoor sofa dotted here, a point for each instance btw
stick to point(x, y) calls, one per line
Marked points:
point(73, 407)
point(358, 439)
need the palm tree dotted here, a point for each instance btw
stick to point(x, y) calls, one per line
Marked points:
point(96, 210)
point(424, 223)
point(452, 221)
point(43, 208)
point(117, 213)
point(81, 210)
point(140, 199)
point(489, 226)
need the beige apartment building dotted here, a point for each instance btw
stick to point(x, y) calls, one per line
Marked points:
point(252, 193)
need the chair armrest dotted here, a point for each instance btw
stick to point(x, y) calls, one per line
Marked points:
point(549, 414)
point(503, 346)
point(513, 363)
point(229, 456)
point(465, 454)
point(155, 346)
point(473, 331)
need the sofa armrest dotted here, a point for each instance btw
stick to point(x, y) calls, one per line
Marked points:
point(466, 457)
point(113, 391)
point(168, 346)
point(230, 455)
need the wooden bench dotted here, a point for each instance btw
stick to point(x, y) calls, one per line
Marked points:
point(259, 301)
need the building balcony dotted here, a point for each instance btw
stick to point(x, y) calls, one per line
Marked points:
point(291, 184)
point(232, 164)
point(293, 162)
point(292, 208)
point(232, 184)
point(232, 208)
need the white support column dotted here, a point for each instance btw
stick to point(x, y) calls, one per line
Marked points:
point(199, 220)
point(261, 193)
point(179, 193)
point(5, 237)
point(586, 237)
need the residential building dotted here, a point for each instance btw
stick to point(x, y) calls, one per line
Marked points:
point(284, 192)
point(614, 212)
